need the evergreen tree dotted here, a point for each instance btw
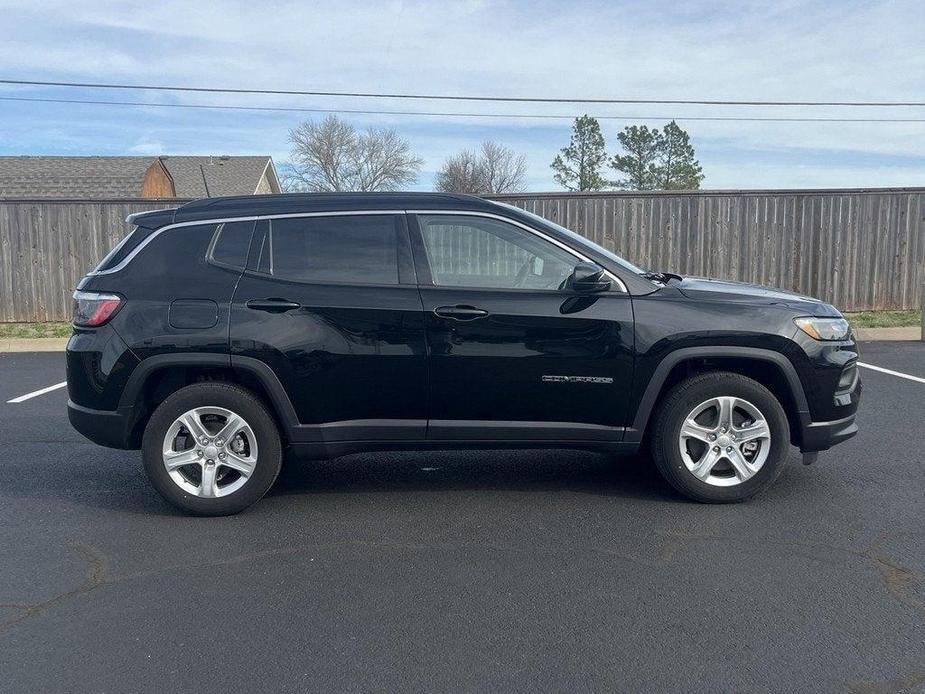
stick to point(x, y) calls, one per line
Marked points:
point(657, 160)
point(578, 166)
point(678, 168)
point(639, 163)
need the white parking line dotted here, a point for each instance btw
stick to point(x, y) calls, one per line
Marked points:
point(36, 393)
point(898, 374)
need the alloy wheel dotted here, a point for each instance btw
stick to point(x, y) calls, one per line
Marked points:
point(210, 452)
point(724, 441)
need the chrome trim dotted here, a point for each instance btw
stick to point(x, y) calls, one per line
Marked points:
point(535, 232)
point(222, 220)
point(115, 249)
point(577, 379)
point(350, 213)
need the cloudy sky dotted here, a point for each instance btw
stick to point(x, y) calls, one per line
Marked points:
point(837, 50)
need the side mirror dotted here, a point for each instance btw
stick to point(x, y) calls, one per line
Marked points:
point(589, 278)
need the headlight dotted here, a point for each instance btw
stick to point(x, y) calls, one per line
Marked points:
point(824, 328)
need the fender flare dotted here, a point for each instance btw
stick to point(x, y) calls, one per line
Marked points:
point(263, 373)
point(669, 361)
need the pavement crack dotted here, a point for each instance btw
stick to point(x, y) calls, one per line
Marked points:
point(897, 579)
point(95, 577)
point(297, 549)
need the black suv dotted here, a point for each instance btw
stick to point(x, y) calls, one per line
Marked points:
point(222, 332)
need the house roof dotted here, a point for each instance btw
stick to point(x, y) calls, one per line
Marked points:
point(122, 177)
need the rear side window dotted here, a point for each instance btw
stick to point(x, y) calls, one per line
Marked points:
point(231, 243)
point(354, 249)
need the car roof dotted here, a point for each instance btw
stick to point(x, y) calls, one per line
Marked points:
point(209, 209)
point(295, 203)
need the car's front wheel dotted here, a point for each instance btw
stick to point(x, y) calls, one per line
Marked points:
point(720, 437)
point(211, 449)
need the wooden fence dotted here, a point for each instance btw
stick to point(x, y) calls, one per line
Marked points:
point(46, 246)
point(859, 249)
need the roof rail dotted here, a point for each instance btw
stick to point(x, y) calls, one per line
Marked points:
point(135, 215)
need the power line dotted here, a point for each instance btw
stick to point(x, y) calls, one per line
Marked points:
point(293, 109)
point(453, 97)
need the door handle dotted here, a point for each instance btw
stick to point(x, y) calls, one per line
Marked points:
point(460, 312)
point(272, 305)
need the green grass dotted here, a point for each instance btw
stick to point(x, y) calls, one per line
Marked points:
point(885, 319)
point(8, 330)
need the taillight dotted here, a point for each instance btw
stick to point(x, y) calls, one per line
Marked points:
point(92, 309)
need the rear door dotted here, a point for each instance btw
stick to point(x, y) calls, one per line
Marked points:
point(512, 354)
point(329, 302)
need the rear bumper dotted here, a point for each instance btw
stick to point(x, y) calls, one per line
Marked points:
point(820, 436)
point(110, 428)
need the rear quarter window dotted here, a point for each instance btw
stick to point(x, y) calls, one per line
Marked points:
point(171, 253)
point(122, 249)
point(231, 244)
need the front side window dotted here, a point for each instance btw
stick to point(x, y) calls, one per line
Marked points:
point(483, 252)
point(354, 249)
point(577, 238)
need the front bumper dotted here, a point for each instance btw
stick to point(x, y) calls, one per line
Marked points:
point(110, 428)
point(820, 436)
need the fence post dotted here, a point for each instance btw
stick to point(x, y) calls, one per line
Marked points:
point(923, 310)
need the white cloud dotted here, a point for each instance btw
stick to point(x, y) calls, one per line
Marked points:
point(735, 50)
point(145, 146)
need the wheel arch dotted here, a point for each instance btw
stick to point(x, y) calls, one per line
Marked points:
point(155, 378)
point(772, 369)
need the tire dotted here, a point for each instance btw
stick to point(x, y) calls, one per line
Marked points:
point(752, 462)
point(242, 469)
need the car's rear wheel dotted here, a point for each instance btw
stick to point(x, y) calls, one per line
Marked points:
point(211, 449)
point(720, 437)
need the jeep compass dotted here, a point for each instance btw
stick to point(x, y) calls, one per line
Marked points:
point(221, 334)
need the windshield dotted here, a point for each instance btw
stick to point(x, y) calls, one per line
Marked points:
point(580, 240)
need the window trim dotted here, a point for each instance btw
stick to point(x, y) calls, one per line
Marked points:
point(413, 214)
point(420, 246)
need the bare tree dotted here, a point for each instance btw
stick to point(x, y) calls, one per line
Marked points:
point(495, 169)
point(461, 173)
point(503, 170)
point(333, 156)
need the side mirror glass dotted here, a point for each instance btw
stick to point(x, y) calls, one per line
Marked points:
point(589, 278)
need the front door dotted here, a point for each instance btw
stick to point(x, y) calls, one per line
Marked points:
point(329, 302)
point(512, 353)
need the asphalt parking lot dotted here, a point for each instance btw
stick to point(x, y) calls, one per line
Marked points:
point(478, 571)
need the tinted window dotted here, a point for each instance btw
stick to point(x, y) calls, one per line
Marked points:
point(359, 249)
point(231, 243)
point(483, 252)
point(577, 238)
